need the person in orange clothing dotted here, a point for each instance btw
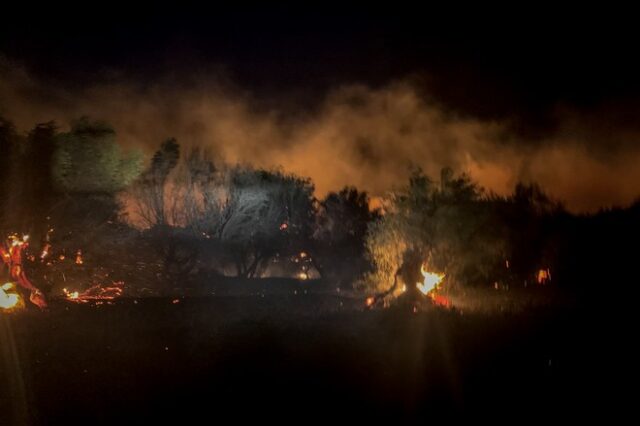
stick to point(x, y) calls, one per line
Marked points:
point(12, 257)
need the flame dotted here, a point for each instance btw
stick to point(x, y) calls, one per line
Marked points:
point(431, 281)
point(303, 276)
point(17, 241)
point(8, 301)
point(544, 275)
point(369, 301)
point(72, 295)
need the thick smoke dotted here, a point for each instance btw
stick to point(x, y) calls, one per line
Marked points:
point(357, 135)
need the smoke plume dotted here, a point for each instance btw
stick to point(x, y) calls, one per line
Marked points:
point(356, 135)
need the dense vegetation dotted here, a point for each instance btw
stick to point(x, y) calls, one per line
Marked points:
point(184, 216)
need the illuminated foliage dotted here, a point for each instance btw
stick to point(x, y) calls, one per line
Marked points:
point(447, 224)
point(264, 214)
point(88, 160)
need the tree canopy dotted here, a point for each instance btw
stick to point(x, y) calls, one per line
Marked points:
point(87, 159)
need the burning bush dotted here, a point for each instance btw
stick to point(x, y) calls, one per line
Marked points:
point(437, 222)
point(455, 228)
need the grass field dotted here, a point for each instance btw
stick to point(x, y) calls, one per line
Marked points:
point(298, 358)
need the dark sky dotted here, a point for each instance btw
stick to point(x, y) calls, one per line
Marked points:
point(475, 61)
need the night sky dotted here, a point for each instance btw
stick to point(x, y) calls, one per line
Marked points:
point(479, 61)
point(518, 69)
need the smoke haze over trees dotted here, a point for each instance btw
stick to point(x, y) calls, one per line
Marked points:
point(370, 136)
point(194, 215)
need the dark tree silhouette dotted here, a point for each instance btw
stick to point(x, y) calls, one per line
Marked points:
point(150, 192)
point(339, 236)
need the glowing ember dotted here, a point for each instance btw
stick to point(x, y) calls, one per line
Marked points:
point(440, 300)
point(70, 294)
point(96, 293)
point(544, 275)
point(79, 258)
point(431, 281)
point(45, 251)
point(284, 226)
point(369, 301)
point(8, 300)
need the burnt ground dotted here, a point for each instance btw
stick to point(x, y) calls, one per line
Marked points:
point(301, 358)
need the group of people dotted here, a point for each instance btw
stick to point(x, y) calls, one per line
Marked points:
point(12, 253)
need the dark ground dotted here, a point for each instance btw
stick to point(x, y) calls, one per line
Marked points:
point(301, 358)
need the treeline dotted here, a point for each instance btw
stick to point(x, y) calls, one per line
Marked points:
point(194, 217)
point(182, 211)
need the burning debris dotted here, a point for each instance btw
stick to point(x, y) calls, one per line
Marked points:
point(12, 256)
point(96, 293)
point(13, 252)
